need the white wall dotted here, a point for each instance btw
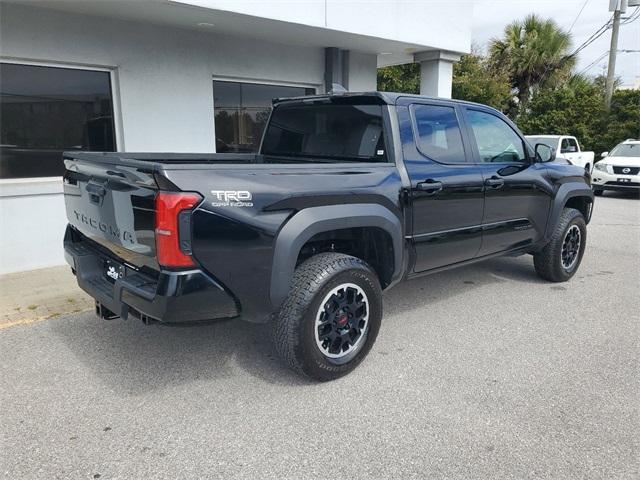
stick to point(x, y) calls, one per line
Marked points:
point(32, 223)
point(441, 24)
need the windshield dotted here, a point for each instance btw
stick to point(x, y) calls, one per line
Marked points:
point(548, 141)
point(328, 132)
point(626, 150)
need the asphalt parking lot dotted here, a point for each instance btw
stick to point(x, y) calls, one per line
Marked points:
point(480, 372)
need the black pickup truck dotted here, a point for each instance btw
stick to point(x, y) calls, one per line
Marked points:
point(349, 195)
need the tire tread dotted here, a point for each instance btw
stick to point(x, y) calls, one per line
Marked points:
point(545, 261)
point(308, 279)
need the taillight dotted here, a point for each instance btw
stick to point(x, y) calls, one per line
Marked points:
point(173, 224)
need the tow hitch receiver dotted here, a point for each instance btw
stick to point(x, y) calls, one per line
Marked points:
point(104, 313)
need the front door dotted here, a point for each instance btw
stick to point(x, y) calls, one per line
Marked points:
point(446, 187)
point(517, 199)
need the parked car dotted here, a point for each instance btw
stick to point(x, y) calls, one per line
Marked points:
point(619, 169)
point(349, 195)
point(567, 148)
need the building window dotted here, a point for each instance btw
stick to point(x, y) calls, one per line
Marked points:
point(241, 112)
point(47, 110)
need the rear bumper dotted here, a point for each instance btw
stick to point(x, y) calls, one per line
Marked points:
point(172, 297)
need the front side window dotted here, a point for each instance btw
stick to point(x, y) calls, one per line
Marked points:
point(241, 112)
point(438, 133)
point(327, 132)
point(569, 145)
point(46, 110)
point(496, 140)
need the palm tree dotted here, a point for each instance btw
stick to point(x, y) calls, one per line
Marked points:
point(534, 53)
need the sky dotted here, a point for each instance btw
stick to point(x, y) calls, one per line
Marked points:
point(491, 16)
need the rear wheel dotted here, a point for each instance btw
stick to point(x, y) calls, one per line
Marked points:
point(559, 260)
point(330, 320)
point(598, 192)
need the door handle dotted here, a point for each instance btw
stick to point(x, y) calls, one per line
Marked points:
point(430, 186)
point(494, 182)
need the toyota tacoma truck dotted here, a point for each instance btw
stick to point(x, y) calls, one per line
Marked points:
point(348, 195)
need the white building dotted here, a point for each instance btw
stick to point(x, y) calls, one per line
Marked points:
point(181, 76)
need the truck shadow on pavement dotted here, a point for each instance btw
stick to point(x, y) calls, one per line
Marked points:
point(132, 358)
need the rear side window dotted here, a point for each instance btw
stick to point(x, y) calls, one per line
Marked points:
point(438, 133)
point(329, 132)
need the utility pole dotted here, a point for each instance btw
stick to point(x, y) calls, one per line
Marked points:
point(611, 70)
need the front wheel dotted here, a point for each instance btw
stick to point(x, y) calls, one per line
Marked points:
point(330, 320)
point(559, 260)
point(597, 192)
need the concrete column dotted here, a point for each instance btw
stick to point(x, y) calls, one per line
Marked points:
point(336, 68)
point(436, 72)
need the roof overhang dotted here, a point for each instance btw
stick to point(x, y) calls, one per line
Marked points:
point(278, 26)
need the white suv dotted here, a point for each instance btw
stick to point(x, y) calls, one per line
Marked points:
point(619, 169)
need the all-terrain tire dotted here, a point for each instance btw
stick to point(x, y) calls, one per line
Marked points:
point(294, 328)
point(548, 262)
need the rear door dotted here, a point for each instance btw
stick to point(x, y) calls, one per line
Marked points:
point(446, 187)
point(516, 198)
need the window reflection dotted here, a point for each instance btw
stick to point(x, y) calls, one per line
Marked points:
point(242, 110)
point(46, 110)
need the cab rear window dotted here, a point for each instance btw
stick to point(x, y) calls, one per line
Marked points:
point(327, 133)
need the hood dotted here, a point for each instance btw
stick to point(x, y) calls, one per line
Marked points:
point(621, 161)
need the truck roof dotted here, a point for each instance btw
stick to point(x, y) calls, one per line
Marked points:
point(380, 98)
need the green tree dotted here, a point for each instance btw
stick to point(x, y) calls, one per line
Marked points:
point(623, 120)
point(533, 53)
point(400, 78)
point(474, 80)
point(574, 109)
point(577, 108)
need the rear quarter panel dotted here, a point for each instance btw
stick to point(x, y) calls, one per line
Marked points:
point(234, 242)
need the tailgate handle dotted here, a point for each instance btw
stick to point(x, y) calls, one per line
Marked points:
point(96, 193)
point(94, 189)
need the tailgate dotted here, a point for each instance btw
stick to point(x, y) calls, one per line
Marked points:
point(113, 205)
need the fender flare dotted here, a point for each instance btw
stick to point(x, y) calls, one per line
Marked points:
point(311, 221)
point(565, 192)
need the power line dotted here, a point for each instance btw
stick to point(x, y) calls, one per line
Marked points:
point(592, 64)
point(632, 18)
point(601, 56)
point(578, 16)
point(594, 36)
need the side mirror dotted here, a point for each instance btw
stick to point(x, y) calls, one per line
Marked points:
point(604, 154)
point(545, 153)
